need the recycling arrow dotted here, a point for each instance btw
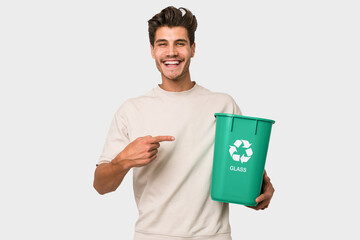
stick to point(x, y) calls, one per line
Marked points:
point(244, 157)
point(232, 150)
point(246, 144)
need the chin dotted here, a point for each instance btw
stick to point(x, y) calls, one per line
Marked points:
point(172, 79)
point(175, 77)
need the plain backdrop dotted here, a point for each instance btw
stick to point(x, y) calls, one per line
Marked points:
point(66, 66)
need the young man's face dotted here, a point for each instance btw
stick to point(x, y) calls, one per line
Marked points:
point(172, 52)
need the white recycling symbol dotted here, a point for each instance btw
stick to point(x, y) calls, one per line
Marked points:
point(248, 151)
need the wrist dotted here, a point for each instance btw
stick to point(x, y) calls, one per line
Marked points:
point(120, 162)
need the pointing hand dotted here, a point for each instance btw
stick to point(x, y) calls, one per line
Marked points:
point(143, 150)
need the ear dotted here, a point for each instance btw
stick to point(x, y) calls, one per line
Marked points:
point(152, 51)
point(193, 50)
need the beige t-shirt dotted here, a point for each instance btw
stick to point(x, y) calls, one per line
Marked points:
point(172, 193)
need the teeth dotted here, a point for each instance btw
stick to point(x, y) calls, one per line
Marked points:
point(172, 62)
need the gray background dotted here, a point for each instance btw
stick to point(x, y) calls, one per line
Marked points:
point(66, 66)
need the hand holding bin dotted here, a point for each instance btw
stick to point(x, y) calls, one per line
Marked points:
point(241, 145)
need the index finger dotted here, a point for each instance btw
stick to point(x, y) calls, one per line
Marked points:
point(162, 139)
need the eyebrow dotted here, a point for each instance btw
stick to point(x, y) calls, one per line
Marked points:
point(177, 40)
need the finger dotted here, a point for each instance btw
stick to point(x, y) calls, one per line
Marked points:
point(153, 152)
point(140, 138)
point(260, 198)
point(144, 161)
point(262, 205)
point(158, 139)
point(153, 157)
point(154, 146)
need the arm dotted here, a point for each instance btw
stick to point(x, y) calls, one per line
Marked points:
point(108, 176)
point(140, 152)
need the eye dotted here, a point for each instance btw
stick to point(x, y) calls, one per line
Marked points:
point(180, 44)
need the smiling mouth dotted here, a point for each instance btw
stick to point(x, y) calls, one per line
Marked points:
point(172, 63)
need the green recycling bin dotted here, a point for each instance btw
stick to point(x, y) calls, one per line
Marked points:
point(241, 145)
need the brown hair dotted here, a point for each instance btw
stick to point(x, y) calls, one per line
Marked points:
point(173, 17)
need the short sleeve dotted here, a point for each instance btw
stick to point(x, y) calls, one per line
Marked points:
point(236, 108)
point(117, 138)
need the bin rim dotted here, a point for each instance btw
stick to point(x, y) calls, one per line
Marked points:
point(244, 117)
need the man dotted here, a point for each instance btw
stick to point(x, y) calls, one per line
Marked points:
point(171, 181)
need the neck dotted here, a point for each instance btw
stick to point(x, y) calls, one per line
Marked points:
point(177, 85)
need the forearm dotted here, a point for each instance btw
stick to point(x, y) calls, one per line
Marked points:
point(108, 176)
point(138, 153)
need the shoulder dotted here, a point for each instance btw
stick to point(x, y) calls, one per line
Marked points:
point(225, 100)
point(221, 96)
point(131, 103)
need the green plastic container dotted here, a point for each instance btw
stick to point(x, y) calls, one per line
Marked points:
point(241, 145)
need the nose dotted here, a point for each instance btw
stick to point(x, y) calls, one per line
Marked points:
point(172, 51)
